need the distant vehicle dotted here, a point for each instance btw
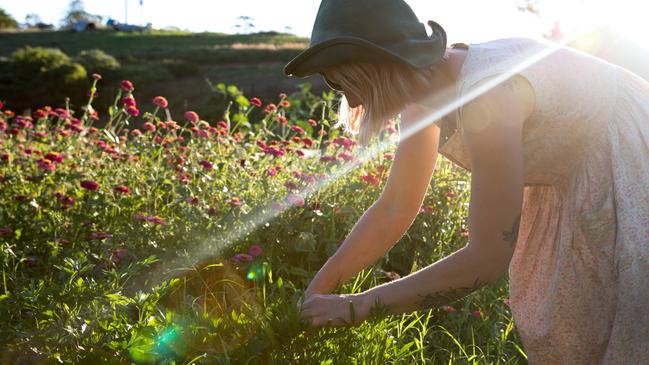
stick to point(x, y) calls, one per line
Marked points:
point(86, 25)
point(122, 27)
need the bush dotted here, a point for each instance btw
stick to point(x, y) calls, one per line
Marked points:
point(44, 74)
point(6, 20)
point(98, 61)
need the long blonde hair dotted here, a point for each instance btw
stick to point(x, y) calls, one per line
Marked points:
point(384, 89)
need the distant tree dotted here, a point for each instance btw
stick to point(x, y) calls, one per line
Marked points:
point(6, 20)
point(32, 20)
point(76, 13)
point(246, 24)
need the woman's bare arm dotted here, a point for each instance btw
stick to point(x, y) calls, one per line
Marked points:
point(383, 224)
point(493, 135)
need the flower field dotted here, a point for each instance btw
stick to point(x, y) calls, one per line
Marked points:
point(128, 237)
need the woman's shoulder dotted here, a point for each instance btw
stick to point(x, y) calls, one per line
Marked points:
point(513, 43)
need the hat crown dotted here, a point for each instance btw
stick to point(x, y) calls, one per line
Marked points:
point(378, 21)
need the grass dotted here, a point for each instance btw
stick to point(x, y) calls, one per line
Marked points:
point(164, 272)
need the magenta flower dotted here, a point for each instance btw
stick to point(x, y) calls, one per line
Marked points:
point(507, 302)
point(297, 129)
point(476, 314)
point(6, 230)
point(255, 250)
point(160, 101)
point(101, 235)
point(192, 117)
point(206, 164)
point(122, 189)
point(89, 185)
point(126, 85)
point(243, 257)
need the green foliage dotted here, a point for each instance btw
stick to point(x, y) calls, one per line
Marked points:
point(6, 20)
point(98, 61)
point(161, 273)
point(44, 74)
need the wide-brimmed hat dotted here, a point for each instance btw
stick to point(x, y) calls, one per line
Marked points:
point(374, 31)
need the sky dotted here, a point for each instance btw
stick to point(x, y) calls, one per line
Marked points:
point(468, 21)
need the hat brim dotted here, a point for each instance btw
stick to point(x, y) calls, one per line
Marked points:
point(414, 53)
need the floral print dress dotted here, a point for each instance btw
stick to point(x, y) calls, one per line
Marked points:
point(579, 277)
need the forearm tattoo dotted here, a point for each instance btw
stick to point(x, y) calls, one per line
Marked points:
point(512, 236)
point(447, 296)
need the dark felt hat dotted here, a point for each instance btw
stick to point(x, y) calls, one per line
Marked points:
point(375, 31)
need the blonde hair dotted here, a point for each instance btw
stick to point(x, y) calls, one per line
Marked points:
point(385, 89)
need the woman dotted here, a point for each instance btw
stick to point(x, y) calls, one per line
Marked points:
point(558, 146)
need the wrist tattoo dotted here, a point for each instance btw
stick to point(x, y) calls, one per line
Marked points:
point(512, 236)
point(447, 296)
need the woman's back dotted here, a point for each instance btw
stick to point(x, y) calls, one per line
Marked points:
point(579, 270)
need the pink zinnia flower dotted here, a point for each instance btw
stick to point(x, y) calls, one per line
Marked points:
point(255, 250)
point(312, 122)
point(243, 257)
point(297, 129)
point(160, 101)
point(295, 199)
point(448, 309)
point(235, 202)
point(149, 127)
point(392, 275)
point(192, 117)
point(45, 164)
point(121, 189)
point(54, 157)
point(1, 105)
point(371, 179)
point(89, 185)
point(132, 110)
point(96, 76)
point(129, 100)
point(126, 85)
point(476, 314)
point(388, 156)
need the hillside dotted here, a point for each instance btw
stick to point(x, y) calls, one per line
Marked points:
point(177, 64)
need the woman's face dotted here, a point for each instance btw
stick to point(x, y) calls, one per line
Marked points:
point(352, 99)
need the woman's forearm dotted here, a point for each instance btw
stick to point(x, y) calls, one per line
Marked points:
point(376, 232)
point(446, 280)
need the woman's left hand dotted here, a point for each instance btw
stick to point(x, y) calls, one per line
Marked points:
point(335, 310)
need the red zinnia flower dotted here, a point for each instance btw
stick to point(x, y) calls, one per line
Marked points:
point(90, 185)
point(54, 157)
point(312, 122)
point(476, 314)
point(129, 100)
point(127, 85)
point(256, 102)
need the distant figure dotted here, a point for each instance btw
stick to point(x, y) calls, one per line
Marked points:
point(559, 156)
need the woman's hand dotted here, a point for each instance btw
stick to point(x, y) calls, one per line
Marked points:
point(335, 310)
